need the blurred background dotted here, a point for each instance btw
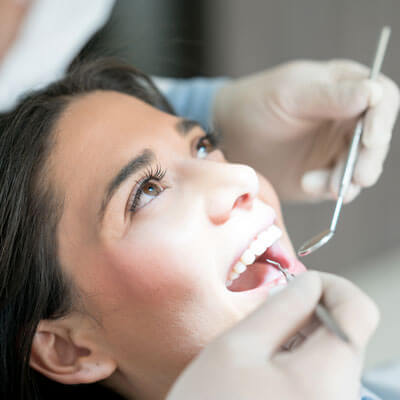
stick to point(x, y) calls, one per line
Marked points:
point(235, 38)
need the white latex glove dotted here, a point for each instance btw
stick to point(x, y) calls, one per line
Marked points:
point(247, 362)
point(294, 123)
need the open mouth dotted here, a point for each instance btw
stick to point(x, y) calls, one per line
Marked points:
point(252, 270)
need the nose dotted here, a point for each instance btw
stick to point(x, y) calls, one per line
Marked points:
point(231, 187)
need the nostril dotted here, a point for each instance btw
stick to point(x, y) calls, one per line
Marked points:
point(244, 201)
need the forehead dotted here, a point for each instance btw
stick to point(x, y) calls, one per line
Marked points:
point(104, 118)
point(107, 127)
point(96, 135)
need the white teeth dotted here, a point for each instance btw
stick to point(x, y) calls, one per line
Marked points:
point(239, 267)
point(260, 244)
point(233, 275)
point(257, 247)
point(248, 257)
point(270, 236)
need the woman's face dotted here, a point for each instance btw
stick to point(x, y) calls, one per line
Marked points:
point(154, 220)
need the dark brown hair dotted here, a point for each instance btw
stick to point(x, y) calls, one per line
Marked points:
point(32, 286)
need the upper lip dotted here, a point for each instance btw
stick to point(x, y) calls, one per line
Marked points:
point(239, 253)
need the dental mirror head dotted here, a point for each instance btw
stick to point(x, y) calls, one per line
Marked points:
point(315, 243)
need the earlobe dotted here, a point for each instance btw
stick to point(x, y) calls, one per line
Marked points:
point(59, 357)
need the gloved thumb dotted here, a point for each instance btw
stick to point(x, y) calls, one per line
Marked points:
point(264, 331)
point(323, 184)
point(339, 99)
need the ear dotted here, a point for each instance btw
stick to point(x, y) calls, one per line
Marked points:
point(68, 352)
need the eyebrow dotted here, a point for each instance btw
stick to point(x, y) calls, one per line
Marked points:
point(184, 126)
point(136, 164)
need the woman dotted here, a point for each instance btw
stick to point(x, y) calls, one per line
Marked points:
point(128, 242)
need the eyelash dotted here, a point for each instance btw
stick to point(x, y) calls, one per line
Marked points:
point(213, 137)
point(158, 173)
point(150, 175)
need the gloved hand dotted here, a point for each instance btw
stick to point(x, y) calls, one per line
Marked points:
point(248, 362)
point(294, 124)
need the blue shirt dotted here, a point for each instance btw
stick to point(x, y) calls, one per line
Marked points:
point(367, 395)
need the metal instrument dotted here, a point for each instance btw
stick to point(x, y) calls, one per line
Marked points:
point(322, 238)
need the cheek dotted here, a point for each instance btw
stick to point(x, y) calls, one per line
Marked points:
point(155, 265)
point(154, 308)
point(268, 195)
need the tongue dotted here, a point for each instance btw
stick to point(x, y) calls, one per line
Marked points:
point(257, 274)
point(252, 278)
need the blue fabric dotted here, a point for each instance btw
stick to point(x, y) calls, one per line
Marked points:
point(384, 381)
point(192, 98)
point(367, 395)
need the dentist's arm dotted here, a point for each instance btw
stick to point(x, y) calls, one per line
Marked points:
point(247, 362)
point(12, 13)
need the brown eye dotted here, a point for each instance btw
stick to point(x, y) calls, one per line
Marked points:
point(152, 189)
point(204, 147)
point(146, 193)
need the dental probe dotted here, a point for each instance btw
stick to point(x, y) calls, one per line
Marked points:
point(322, 238)
point(320, 311)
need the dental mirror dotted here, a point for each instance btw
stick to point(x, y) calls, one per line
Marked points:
point(322, 238)
point(315, 243)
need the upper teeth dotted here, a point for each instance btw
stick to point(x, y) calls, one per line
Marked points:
point(257, 247)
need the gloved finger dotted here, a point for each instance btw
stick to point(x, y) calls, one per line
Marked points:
point(338, 99)
point(352, 309)
point(375, 130)
point(316, 184)
point(324, 184)
point(259, 336)
point(335, 179)
point(380, 119)
point(369, 165)
point(348, 69)
point(357, 316)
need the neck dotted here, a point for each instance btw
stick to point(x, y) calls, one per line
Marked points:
point(142, 386)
